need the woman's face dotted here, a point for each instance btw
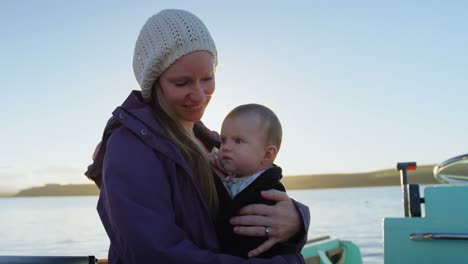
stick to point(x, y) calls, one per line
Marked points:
point(187, 85)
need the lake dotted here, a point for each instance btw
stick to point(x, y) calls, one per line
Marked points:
point(71, 226)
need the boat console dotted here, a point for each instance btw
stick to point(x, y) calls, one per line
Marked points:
point(434, 228)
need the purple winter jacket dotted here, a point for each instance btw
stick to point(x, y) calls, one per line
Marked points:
point(150, 203)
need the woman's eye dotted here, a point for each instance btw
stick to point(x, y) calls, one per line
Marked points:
point(180, 84)
point(238, 140)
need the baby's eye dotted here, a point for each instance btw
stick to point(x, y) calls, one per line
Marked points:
point(238, 141)
point(223, 140)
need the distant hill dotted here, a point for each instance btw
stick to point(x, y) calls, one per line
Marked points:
point(61, 190)
point(423, 175)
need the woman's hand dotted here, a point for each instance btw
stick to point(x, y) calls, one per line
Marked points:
point(282, 220)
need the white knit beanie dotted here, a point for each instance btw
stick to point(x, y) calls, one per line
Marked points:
point(165, 37)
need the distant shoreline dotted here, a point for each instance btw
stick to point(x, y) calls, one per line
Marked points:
point(390, 177)
point(59, 190)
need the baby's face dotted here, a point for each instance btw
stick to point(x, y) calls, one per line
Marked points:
point(243, 147)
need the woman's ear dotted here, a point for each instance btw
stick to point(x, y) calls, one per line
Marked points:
point(270, 153)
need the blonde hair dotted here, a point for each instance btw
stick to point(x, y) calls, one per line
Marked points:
point(191, 151)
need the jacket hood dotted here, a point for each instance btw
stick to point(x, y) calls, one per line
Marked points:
point(136, 115)
point(136, 106)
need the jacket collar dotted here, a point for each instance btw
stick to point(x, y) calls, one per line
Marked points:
point(136, 115)
point(141, 110)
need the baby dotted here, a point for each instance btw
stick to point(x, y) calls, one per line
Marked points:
point(250, 140)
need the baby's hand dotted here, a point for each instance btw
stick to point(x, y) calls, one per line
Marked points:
point(216, 164)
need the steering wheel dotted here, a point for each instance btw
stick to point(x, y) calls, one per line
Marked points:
point(453, 171)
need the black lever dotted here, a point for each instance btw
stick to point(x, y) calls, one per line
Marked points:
point(411, 197)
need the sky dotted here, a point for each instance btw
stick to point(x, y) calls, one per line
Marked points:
point(358, 85)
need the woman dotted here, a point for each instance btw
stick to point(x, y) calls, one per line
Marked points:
point(158, 194)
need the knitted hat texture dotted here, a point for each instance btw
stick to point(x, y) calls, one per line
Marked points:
point(166, 37)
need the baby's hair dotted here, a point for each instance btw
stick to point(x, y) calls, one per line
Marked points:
point(270, 121)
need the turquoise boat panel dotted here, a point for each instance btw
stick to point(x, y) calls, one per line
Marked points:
point(313, 249)
point(446, 212)
point(446, 201)
point(350, 255)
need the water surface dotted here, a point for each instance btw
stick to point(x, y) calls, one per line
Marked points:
point(71, 226)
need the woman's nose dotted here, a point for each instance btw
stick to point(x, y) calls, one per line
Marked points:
point(198, 94)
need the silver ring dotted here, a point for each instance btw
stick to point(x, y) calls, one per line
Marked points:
point(267, 231)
